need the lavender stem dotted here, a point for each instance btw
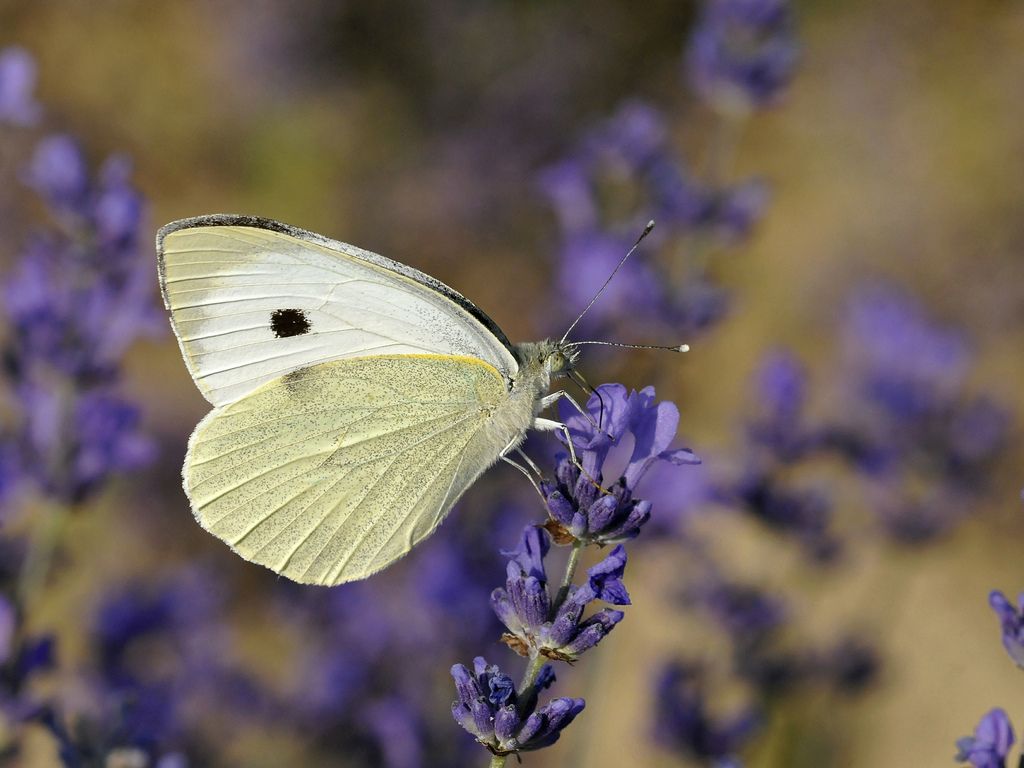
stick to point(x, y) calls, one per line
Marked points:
point(536, 659)
point(530, 675)
point(42, 547)
point(570, 573)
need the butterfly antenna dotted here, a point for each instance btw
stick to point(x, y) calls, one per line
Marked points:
point(677, 348)
point(645, 233)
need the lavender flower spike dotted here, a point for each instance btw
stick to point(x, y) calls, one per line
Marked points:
point(524, 604)
point(17, 83)
point(742, 54)
point(990, 744)
point(491, 710)
point(581, 510)
point(1012, 620)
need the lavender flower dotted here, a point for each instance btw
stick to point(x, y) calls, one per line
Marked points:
point(625, 172)
point(1012, 620)
point(79, 297)
point(990, 745)
point(742, 53)
point(924, 446)
point(525, 605)
point(744, 612)
point(343, 688)
point(23, 658)
point(902, 362)
point(17, 83)
point(780, 391)
point(580, 508)
point(491, 710)
point(804, 513)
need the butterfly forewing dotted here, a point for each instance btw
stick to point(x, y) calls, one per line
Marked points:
point(252, 300)
point(331, 473)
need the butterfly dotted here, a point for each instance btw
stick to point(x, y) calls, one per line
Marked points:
point(355, 398)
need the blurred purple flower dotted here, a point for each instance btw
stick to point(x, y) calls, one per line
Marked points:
point(742, 54)
point(17, 86)
point(80, 295)
point(804, 513)
point(161, 668)
point(925, 446)
point(990, 745)
point(683, 722)
point(394, 723)
point(736, 210)
point(489, 708)
point(852, 665)
point(58, 173)
point(1011, 617)
point(777, 437)
point(780, 394)
point(625, 172)
point(579, 506)
point(922, 448)
point(902, 362)
point(524, 604)
point(10, 471)
point(109, 440)
point(344, 688)
point(744, 612)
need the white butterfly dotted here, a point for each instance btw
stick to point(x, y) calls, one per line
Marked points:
point(355, 398)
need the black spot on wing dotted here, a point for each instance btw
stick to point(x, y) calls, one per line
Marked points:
point(289, 322)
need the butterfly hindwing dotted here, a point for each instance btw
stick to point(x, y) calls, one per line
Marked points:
point(252, 300)
point(331, 473)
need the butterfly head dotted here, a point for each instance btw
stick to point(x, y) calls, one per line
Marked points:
point(560, 357)
point(556, 358)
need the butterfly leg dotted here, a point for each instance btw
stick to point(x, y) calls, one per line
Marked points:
point(526, 471)
point(548, 425)
point(529, 462)
point(548, 400)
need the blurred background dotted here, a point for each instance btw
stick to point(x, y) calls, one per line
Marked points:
point(838, 191)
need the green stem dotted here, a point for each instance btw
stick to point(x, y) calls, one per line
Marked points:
point(530, 676)
point(570, 573)
point(42, 547)
point(497, 761)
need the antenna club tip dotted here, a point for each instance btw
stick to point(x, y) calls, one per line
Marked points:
point(649, 227)
point(683, 348)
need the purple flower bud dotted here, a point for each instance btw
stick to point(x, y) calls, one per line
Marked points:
point(990, 745)
point(490, 709)
point(17, 83)
point(524, 604)
point(587, 511)
point(58, 172)
point(531, 551)
point(8, 625)
point(742, 54)
point(1012, 620)
point(606, 578)
point(592, 631)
